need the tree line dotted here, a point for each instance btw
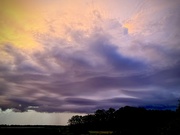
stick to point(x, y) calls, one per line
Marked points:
point(129, 121)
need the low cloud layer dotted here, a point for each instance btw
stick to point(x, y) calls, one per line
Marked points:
point(107, 62)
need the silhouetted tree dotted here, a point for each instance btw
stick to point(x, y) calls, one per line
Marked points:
point(76, 120)
point(178, 107)
point(129, 120)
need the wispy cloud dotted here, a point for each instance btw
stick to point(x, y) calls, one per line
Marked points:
point(96, 60)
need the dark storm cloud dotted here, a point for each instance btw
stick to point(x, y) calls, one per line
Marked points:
point(93, 72)
point(148, 88)
point(103, 48)
point(167, 77)
point(80, 101)
point(22, 104)
point(99, 84)
point(22, 77)
point(3, 87)
point(21, 61)
point(94, 84)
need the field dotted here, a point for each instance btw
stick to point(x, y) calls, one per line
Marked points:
point(44, 130)
point(100, 132)
point(31, 130)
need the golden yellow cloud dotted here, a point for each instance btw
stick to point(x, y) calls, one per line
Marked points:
point(19, 23)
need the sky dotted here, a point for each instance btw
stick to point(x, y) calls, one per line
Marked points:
point(59, 58)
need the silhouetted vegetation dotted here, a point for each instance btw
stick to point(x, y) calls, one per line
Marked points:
point(124, 121)
point(129, 121)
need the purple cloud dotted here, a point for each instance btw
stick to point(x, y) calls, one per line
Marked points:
point(107, 65)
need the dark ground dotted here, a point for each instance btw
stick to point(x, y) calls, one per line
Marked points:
point(34, 130)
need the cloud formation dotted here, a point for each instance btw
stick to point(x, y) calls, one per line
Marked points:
point(96, 60)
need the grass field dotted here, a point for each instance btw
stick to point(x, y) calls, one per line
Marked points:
point(100, 132)
point(30, 130)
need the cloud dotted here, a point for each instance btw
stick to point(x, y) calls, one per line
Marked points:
point(80, 101)
point(99, 62)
